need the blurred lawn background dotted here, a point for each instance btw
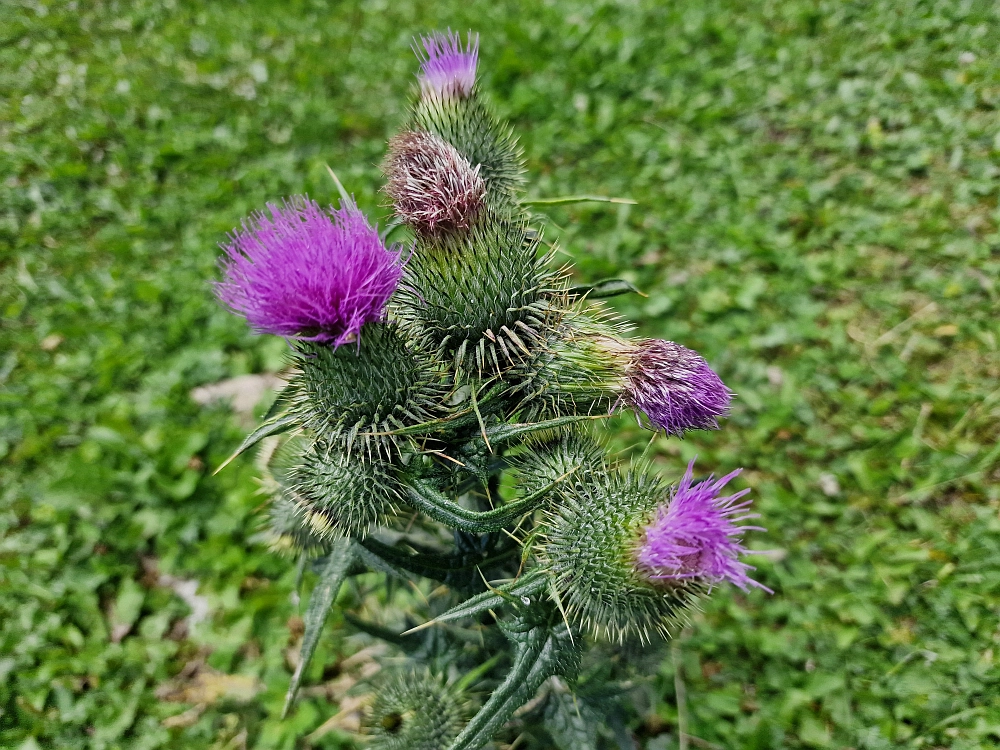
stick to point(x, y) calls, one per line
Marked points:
point(817, 213)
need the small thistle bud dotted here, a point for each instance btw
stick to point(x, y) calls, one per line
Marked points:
point(446, 70)
point(571, 455)
point(482, 298)
point(414, 711)
point(287, 532)
point(674, 387)
point(432, 186)
point(336, 495)
point(309, 274)
point(624, 564)
point(356, 397)
point(696, 535)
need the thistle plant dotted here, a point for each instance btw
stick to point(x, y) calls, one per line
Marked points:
point(441, 423)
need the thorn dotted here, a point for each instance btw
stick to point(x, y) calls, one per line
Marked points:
point(340, 188)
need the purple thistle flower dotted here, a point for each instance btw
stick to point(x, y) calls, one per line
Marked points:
point(431, 184)
point(696, 535)
point(446, 70)
point(307, 273)
point(674, 387)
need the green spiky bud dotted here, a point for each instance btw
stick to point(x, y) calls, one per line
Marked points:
point(353, 396)
point(287, 531)
point(339, 495)
point(484, 299)
point(579, 369)
point(571, 455)
point(589, 543)
point(414, 711)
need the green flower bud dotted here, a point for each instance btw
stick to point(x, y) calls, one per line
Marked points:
point(483, 298)
point(339, 495)
point(567, 458)
point(589, 544)
point(352, 396)
point(414, 711)
point(287, 532)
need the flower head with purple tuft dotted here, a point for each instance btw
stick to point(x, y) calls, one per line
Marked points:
point(697, 535)
point(305, 273)
point(674, 387)
point(447, 70)
point(432, 186)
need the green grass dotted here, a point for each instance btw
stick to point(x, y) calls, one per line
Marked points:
point(817, 189)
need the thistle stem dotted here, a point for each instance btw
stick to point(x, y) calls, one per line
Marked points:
point(426, 498)
point(533, 662)
point(436, 567)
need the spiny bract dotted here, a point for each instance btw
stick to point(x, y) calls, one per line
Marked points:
point(570, 457)
point(572, 371)
point(483, 299)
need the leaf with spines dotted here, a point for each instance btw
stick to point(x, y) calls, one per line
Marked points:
point(571, 722)
point(332, 576)
point(462, 571)
point(604, 289)
point(277, 424)
point(540, 652)
point(516, 593)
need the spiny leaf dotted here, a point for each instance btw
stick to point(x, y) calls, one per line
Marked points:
point(605, 288)
point(565, 199)
point(506, 433)
point(344, 195)
point(274, 426)
point(527, 585)
point(337, 567)
point(571, 722)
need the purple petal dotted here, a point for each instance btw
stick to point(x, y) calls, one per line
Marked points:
point(675, 388)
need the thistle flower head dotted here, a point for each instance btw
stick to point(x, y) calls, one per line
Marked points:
point(674, 387)
point(588, 546)
point(414, 711)
point(336, 495)
point(432, 186)
point(305, 273)
point(697, 535)
point(446, 70)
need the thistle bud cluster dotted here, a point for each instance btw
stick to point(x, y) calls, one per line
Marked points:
point(449, 385)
